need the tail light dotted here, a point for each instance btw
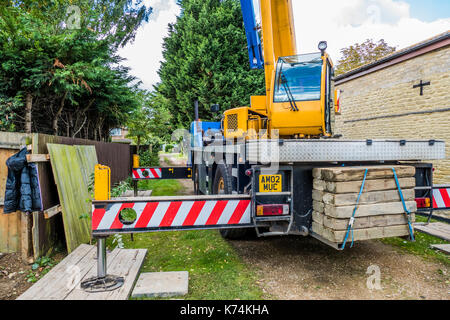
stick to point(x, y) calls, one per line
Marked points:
point(272, 209)
point(423, 202)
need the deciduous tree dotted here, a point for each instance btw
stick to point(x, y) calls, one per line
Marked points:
point(360, 54)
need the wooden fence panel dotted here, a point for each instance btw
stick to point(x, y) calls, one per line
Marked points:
point(10, 230)
point(72, 191)
point(115, 155)
point(9, 223)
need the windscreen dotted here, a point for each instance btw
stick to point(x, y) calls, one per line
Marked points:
point(298, 77)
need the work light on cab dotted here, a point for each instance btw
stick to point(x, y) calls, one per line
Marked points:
point(323, 46)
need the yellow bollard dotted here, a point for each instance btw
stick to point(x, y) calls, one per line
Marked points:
point(102, 184)
point(135, 161)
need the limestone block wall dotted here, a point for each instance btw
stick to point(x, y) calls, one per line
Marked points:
point(384, 104)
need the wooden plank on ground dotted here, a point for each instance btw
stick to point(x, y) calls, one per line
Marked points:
point(126, 263)
point(348, 199)
point(362, 222)
point(360, 234)
point(370, 185)
point(72, 192)
point(357, 173)
point(63, 281)
point(56, 280)
point(83, 268)
point(442, 247)
point(437, 229)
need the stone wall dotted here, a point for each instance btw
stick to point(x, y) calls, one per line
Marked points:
point(384, 104)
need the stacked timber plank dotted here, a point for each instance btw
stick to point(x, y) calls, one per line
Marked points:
point(380, 211)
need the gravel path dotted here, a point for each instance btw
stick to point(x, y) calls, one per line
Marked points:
point(304, 268)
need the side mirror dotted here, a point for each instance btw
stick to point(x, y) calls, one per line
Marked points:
point(337, 105)
point(215, 108)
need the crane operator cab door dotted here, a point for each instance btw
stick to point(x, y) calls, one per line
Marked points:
point(302, 104)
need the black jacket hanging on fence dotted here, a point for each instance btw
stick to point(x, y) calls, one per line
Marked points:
point(22, 186)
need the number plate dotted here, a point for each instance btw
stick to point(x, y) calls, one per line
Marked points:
point(270, 183)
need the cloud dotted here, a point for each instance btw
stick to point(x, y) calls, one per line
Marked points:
point(345, 22)
point(359, 12)
point(341, 23)
point(145, 53)
point(158, 6)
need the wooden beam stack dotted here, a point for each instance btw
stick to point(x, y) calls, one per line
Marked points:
point(380, 212)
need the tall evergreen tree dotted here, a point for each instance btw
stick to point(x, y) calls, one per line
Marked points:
point(206, 58)
point(62, 80)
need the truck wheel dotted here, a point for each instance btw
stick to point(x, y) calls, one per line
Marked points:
point(223, 184)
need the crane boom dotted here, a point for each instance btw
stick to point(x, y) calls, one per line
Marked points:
point(251, 31)
point(278, 34)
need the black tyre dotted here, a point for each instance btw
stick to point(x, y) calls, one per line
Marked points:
point(223, 184)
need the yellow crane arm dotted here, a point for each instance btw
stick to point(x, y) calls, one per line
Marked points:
point(278, 34)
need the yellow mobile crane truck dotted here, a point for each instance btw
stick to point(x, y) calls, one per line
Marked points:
point(267, 150)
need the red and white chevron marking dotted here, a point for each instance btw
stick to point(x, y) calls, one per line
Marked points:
point(441, 198)
point(173, 214)
point(147, 173)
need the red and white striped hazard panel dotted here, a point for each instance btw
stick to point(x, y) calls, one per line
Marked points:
point(147, 173)
point(441, 198)
point(189, 214)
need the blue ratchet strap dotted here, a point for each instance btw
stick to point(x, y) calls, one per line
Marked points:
point(408, 214)
point(352, 218)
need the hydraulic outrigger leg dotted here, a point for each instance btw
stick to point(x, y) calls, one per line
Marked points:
point(103, 281)
point(153, 214)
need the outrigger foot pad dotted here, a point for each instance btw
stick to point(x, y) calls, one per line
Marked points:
point(102, 284)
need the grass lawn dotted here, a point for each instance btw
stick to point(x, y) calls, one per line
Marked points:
point(215, 270)
point(161, 187)
point(422, 244)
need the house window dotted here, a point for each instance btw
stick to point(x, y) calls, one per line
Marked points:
point(117, 132)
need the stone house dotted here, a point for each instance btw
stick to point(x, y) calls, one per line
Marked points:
point(405, 95)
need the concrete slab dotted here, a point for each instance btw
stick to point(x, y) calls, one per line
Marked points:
point(161, 284)
point(441, 247)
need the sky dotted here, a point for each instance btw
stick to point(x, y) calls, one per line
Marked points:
point(341, 23)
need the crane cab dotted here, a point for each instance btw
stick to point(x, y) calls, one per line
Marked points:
point(300, 105)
